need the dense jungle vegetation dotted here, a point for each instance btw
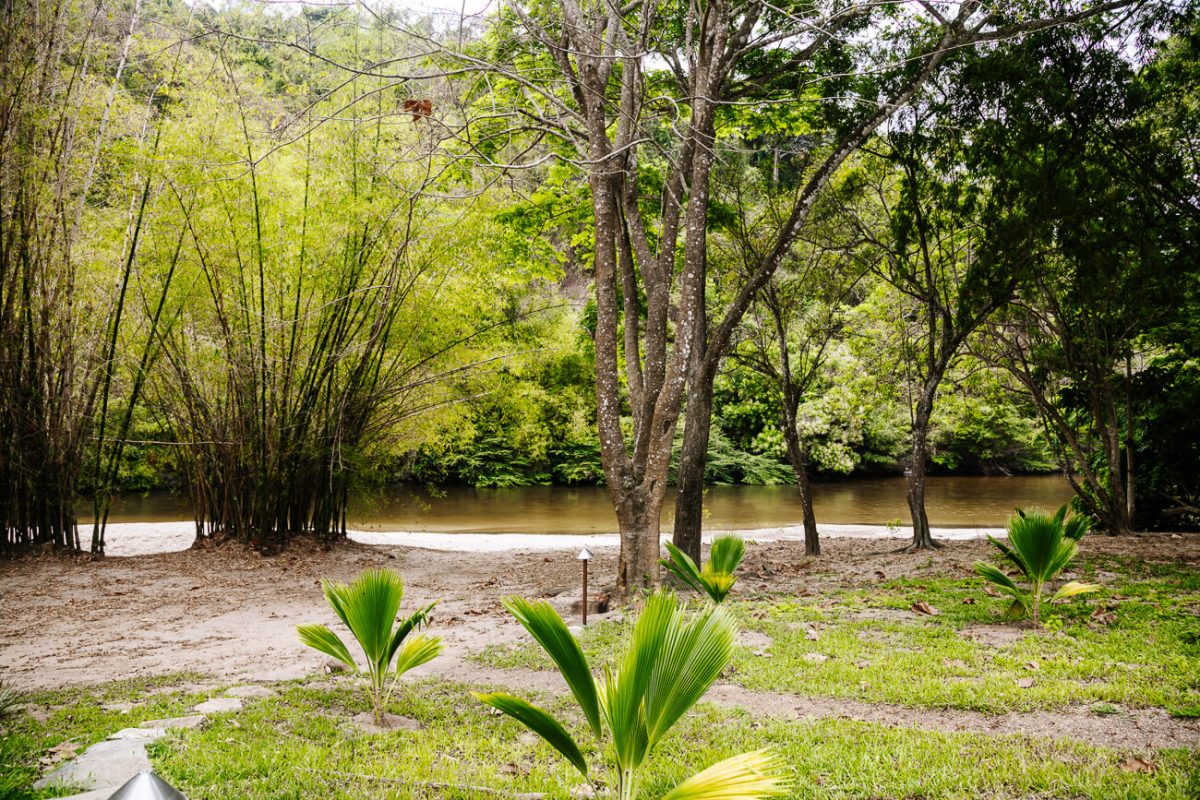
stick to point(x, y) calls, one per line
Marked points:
point(264, 254)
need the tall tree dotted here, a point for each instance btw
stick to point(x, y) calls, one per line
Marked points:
point(1079, 168)
point(645, 138)
point(933, 255)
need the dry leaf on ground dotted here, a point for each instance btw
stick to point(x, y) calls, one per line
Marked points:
point(1135, 764)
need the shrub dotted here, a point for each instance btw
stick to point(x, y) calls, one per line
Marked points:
point(369, 606)
point(669, 662)
point(1040, 546)
point(717, 578)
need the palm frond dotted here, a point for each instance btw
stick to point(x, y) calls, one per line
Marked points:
point(693, 656)
point(680, 565)
point(727, 553)
point(417, 650)
point(417, 620)
point(369, 605)
point(548, 629)
point(1073, 588)
point(321, 638)
point(748, 776)
point(540, 722)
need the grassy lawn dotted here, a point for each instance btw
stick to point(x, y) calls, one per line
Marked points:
point(867, 644)
point(302, 744)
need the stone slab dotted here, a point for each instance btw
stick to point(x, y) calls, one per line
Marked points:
point(219, 705)
point(193, 721)
point(105, 764)
point(138, 734)
point(95, 794)
point(250, 691)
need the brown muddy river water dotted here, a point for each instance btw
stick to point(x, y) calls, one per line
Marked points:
point(952, 502)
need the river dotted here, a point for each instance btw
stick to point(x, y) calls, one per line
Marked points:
point(952, 502)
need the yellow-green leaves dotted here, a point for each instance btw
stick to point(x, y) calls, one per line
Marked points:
point(717, 578)
point(750, 775)
point(369, 606)
point(668, 663)
point(1040, 545)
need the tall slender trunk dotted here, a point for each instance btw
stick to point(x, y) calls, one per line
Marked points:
point(1130, 505)
point(693, 460)
point(922, 537)
point(798, 458)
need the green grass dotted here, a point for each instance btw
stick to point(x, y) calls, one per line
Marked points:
point(301, 744)
point(78, 715)
point(870, 646)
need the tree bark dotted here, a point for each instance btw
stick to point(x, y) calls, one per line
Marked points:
point(922, 537)
point(689, 482)
point(798, 458)
point(638, 514)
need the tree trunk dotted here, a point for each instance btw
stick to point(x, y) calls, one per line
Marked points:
point(638, 510)
point(922, 537)
point(689, 484)
point(798, 458)
point(1130, 505)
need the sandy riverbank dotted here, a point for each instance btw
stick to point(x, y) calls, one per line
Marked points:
point(148, 538)
point(224, 610)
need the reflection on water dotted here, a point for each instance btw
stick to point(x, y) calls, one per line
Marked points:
point(952, 502)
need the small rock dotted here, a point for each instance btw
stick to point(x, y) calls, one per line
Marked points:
point(121, 708)
point(584, 791)
point(815, 658)
point(1025, 683)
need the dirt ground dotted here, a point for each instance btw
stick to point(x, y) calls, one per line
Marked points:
point(228, 613)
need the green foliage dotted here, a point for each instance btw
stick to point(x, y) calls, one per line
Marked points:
point(1040, 545)
point(1167, 451)
point(668, 662)
point(717, 578)
point(369, 606)
point(10, 698)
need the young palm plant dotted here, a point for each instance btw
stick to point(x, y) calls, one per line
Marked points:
point(669, 662)
point(1040, 545)
point(369, 606)
point(717, 578)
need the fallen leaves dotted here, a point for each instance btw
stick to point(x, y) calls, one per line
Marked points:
point(60, 752)
point(1103, 616)
point(1135, 764)
point(921, 607)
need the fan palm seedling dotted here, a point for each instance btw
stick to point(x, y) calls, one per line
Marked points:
point(369, 606)
point(717, 578)
point(668, 663)
point(1040, 545)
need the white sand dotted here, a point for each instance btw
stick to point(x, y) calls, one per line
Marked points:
point(145, 538)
